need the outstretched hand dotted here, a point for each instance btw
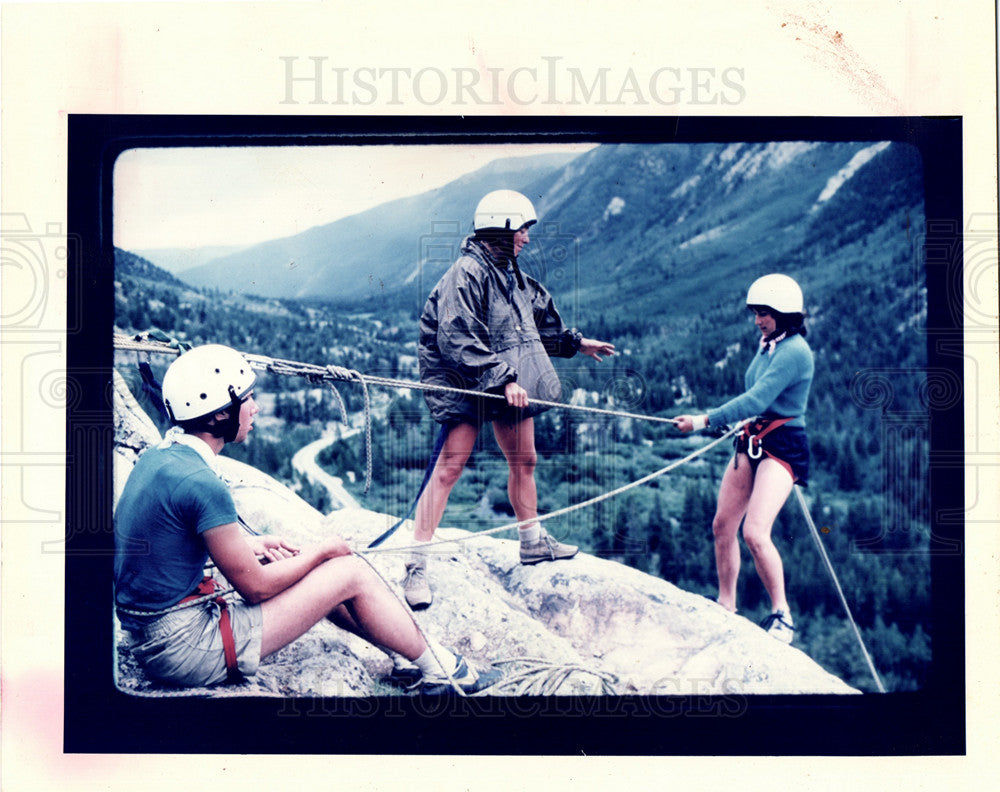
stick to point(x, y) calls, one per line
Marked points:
point(588, 346)
point(689, 423)
point(685, 423)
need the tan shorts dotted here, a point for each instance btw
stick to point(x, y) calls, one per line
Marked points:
point(185, 647)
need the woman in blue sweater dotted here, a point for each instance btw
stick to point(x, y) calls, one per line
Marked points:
point(772, 452)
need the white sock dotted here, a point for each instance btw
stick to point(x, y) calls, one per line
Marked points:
point(428, 663)
point(530, 533)
point(418, 556)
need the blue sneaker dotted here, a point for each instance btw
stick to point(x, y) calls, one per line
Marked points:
point(464, 676)
point(404, 673)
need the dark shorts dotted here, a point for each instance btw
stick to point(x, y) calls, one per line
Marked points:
point(787, 445)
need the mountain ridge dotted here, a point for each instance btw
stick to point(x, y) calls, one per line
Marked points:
point(623, 216)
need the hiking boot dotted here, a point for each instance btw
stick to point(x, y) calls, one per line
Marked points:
point(545, 548)
point(779, 624)
point(464, 676)
point(416, 589)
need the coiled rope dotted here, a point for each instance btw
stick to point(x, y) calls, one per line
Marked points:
point(539, 677)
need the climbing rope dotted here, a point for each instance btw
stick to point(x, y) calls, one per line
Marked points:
point(225, 592)
point(539, 677)
point(316, 373)
point(534, 677)
point(329, 374)
point(573, 507)
point(836, 583)
point(430, 646)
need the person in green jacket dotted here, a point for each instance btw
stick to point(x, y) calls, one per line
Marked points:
point(488, 327)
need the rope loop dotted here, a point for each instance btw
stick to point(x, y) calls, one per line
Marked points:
point(341, 373)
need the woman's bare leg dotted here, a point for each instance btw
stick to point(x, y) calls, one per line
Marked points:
point(517, 442)
point(734, 494)
point(771, 487)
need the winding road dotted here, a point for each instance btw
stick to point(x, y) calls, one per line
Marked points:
point(305, 463)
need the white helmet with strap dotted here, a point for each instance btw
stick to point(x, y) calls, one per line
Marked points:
point(206, 380)
point(505, 210)
point(777, 292)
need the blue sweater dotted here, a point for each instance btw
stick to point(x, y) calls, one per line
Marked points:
point(776, 385)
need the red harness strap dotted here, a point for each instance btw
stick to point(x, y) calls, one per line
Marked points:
point(749, 441)
point(207, 586)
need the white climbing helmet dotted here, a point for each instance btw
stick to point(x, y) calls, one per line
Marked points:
point(778, 292)
point(504, 209)
point(206, 380)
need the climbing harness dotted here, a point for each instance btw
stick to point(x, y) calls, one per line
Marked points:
point(208, 590)
point(750, 440)
point(208, 587)
point(836, 583)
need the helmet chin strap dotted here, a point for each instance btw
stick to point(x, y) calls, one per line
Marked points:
point(231, 426)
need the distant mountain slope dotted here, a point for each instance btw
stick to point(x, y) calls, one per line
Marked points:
point(370, 253)
point(178, 260)
point(129, 265)
point(649, 223)
point(669, 223)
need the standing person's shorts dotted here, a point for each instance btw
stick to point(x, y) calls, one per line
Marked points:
point(786, 445)
point(185, 647)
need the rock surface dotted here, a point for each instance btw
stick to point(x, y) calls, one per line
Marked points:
point(577, 627)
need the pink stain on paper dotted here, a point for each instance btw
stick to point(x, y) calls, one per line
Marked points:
point(829, 48)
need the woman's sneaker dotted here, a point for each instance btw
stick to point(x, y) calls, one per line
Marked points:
point(545, 548)
point(779, 624)
point(464, 676)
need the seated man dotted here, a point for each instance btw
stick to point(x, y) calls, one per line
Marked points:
point(175, 513)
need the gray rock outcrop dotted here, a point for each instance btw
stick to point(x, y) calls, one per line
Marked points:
point(585, 626)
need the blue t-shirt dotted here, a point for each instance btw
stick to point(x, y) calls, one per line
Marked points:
point(777, 385)
point(171, 497)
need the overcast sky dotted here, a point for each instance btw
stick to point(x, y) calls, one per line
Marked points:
point(193, 197)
